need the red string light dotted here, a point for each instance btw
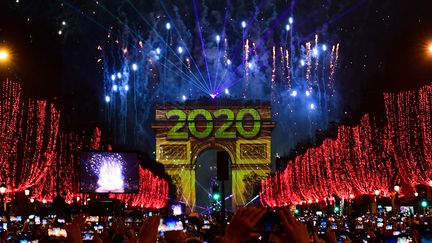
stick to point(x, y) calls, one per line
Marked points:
point(153, 192)
point(36, 154)
point(363, 158)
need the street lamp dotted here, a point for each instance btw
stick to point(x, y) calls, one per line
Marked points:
point(3, 189)
point(27, 192)
point(4, 55)
point(377, 192)
point(396, 188)
point(429, 48)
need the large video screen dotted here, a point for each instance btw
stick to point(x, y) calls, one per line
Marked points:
point(109, 172)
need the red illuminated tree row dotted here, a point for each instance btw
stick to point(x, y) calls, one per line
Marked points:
point(153, 192)
point(28, 138)
point(35, 154)
point(363, 159)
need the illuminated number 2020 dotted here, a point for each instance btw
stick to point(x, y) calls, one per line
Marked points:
point(174, 132)
point(256, 123)
point(193, 124)
point(225, 116)
point(222, 131)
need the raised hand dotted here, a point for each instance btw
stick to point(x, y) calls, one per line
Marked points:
point(97, 239)
point(242, 224)
point(149, 230)
point(331, 236)
point(74, 229)
point(295, 231)
point(317, 239)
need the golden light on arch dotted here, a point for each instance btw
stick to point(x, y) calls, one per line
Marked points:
point(242, 131)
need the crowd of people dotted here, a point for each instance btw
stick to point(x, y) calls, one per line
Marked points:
point(246, 225)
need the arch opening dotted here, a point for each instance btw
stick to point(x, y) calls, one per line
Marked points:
point(206, 177)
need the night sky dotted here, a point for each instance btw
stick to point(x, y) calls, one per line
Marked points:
point(54, 45)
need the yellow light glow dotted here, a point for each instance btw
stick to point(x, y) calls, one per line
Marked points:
point(4, 55)
point(429, 48)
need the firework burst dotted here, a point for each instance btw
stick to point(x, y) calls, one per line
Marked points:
point(229, 59)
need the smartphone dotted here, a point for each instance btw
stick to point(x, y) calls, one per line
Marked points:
point(389, 227)
point(404, 239)
point(13, 219)
point(37, 220)
point(334, 226)
point(270, 222)
point(61, 221)
point(380, 224)
point(323, 224)
point(57, 232)
point(44, 221)
point(319, 213)
point(322, 227)
point(87, 236)
point(170, 224)
point(92, 219)
point(24, 238)
point(28, 241)
point(98, 228)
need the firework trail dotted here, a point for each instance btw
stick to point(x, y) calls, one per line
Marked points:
point(216, 56)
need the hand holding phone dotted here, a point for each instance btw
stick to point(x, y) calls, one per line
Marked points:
point(170, 224)
point(269, 222)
